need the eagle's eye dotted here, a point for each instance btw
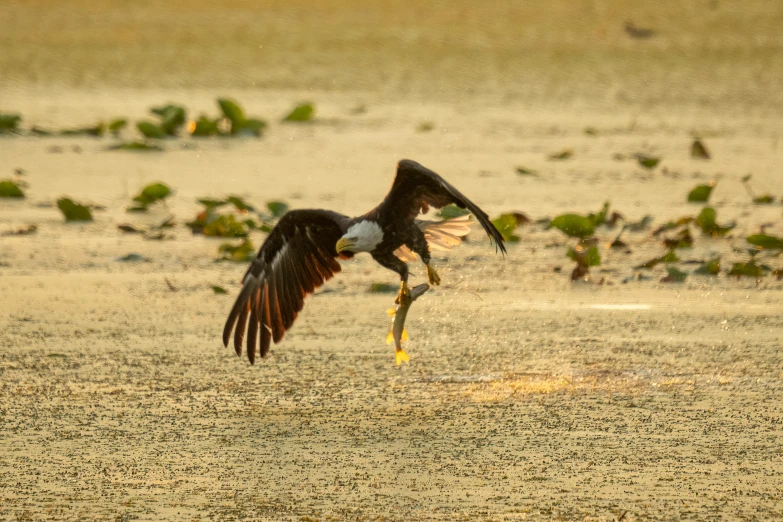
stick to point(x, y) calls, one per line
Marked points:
point(354, 239)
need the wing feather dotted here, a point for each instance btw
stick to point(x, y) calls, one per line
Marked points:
point(416, 189)
point(297, 257)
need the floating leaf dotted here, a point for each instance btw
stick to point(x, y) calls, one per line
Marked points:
point(647, 162)
point(683, 239)
point(764, 199)
point(10, 189)
point(674, 224)
point(711, 267)
point(152, 193)
point(301, 113)
point(225, 225)
point(172, 118)
point(706, 220)
point(133, 258)
point(251, 127)
point(600, 217)
point(213, 203)
point(241, 253)
point(219, 289)
point(232, 111)
point(383, 288)
point(506, 224)
point(203, 127)
point(277, 208)
point(701, 193)
point(74, 211)
point(749, 269)
point(699, 150)
point(452, 211)
point(674, 275)
point(136, 146)
point(574, 225)
point(766, 241)
point(117, 125)
point(586, 256)
point(150, 130)
point(240, 204)
point(669, 257)
point(9, 123)
point(522, 171)
point(96, 131)
point(562, 155)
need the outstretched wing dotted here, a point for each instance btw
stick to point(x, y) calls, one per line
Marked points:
point(297, 257)
point(416, 189)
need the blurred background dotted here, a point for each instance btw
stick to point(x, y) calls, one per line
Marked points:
point(714, 55)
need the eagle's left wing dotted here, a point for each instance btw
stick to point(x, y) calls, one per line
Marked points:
point(417, 188)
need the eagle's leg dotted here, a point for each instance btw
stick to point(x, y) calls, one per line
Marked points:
point(419, 245)
point(392, 262)
point(433, 276)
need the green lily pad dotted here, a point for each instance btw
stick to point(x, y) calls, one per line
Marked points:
point(172, 118)
point(240, 204)
point(699, 150)
point(232, 111)
point(522, 171)
point(74, 211)
point(219, 289)
point(506, 225)
point(150, 194)
point(638, 226)
point(117, 125)
point(669, 257)
point(241, 253)
point(707, 221)
point(213, 203)
point(701, 193)
point(204, 127)
point(766, 241)
point(452, 211)
point(647, 162)
point(301, 113)
point(277, 208)
point(588, 257)
point(383, 288)
point(9, 123)
point(225, 225)
point(711, 267)
point(749, 269)
point(141, 146)
point(574, 225)
point(764, 199)
point(150, 130)
point(251, 127)
point(674, 275)
point(95, 131)
point(10, 189)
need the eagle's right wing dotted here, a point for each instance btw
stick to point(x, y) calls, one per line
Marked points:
point(297, 257)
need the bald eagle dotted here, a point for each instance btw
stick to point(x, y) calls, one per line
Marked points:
point(301, 252)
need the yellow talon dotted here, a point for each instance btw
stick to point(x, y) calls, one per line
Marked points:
point(433, 276)
point(401, 356)
point(405, 295)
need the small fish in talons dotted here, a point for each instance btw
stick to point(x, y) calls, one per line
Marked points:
point(398, 333)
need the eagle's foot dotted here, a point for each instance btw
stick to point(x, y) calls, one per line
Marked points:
point(433, 276)
point(400, 356)
point(404, 297)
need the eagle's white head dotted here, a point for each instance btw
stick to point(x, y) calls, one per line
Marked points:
point(363, 236)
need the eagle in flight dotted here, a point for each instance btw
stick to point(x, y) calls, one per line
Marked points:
point(300, 253)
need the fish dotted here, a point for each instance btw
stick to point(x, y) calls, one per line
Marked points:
point(398, 333)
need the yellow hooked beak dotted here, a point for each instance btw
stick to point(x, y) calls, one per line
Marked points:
point(344, 244)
